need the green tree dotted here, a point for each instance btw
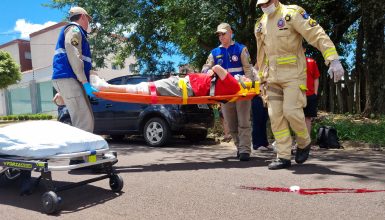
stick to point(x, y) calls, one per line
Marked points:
point(155, 28)
point(164, 27)
point(9, 70)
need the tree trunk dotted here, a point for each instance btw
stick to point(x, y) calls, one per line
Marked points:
point(358, 73)
point(332, 92)
point(373, 23)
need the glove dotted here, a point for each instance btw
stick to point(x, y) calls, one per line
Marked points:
point(89, 89)
point(336, 70)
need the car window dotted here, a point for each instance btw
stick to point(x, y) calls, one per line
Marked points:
point(116, 81)
point(136, 80)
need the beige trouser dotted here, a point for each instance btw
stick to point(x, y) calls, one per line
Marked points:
point(237, 115)
point(285, 104)
point(77, 103)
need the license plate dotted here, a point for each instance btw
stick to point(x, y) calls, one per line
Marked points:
point(203, 106)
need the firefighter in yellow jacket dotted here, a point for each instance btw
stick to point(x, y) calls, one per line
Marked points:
point(282, 65)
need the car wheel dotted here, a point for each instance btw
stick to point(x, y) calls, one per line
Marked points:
point(156, 132)
point(196, 135)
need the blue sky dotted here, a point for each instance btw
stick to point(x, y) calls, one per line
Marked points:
point(19, 18)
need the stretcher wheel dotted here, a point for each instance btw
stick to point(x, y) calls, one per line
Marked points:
point(50, 202)
point(116, 183)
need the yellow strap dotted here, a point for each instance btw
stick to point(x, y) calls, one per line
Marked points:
point(183, 86)
point(234, 99)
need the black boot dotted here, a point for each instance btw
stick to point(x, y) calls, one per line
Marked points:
point(244, 157)
point(279, 163)
point(302, 154)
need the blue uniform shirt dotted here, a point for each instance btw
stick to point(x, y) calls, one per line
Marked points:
point(61, 66)
point(229, 58)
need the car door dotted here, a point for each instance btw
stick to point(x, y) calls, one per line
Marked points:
point(126, 115)
point(103, 111)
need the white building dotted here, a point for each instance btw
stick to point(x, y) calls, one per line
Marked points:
point(33, 94)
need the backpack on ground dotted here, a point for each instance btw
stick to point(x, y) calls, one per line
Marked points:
point(327, 137)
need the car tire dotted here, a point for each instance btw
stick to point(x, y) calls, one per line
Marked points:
point(196, 135)
point(156, 132)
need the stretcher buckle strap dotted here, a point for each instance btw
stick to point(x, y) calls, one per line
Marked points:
point(212, 86)
point(154, 96)
point(287, 60)
point(183, 86)
point(329, 52)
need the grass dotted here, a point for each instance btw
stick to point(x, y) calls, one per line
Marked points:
point(349, 128)
point(354, 128)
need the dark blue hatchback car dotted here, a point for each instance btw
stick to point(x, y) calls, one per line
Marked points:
point(157, 123)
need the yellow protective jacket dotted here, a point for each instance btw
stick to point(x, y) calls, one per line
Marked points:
point(280, 56)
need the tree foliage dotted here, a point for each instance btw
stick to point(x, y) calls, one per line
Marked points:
point(9, 70)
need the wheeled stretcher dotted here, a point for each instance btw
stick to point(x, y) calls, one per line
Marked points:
point(13, 165)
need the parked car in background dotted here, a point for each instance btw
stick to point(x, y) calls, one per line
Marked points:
point(157, 123)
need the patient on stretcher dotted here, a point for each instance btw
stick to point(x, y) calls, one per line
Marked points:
point(196, 84)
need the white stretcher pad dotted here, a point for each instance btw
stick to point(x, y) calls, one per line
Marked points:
point(44, 139)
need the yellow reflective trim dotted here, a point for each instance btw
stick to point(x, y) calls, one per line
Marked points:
point(286, 58)
point(301, 133)
point(281, 131)
point(327, 53)
point(303, 87)
point(287, 62)
point(183, 86)
point(260, 74)
point(281, 134)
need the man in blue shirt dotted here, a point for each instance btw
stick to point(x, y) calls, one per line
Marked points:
point(235, 58)
point(71, 69)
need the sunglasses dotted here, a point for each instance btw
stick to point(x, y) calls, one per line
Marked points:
point(220, 34)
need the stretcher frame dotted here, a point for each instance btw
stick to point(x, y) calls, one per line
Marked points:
point(247, 91)
point(50, 200)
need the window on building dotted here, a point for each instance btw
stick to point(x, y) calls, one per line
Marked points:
point(27, 55)
point(132, 68)
point(115, 67)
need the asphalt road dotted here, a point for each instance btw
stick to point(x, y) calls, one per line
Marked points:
point(185, 181)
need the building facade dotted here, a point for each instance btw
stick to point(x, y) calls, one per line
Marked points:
point(34, 93)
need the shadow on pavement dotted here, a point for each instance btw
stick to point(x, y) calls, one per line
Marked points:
point(73, 200)
point(224, 163)
point(309, 168)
